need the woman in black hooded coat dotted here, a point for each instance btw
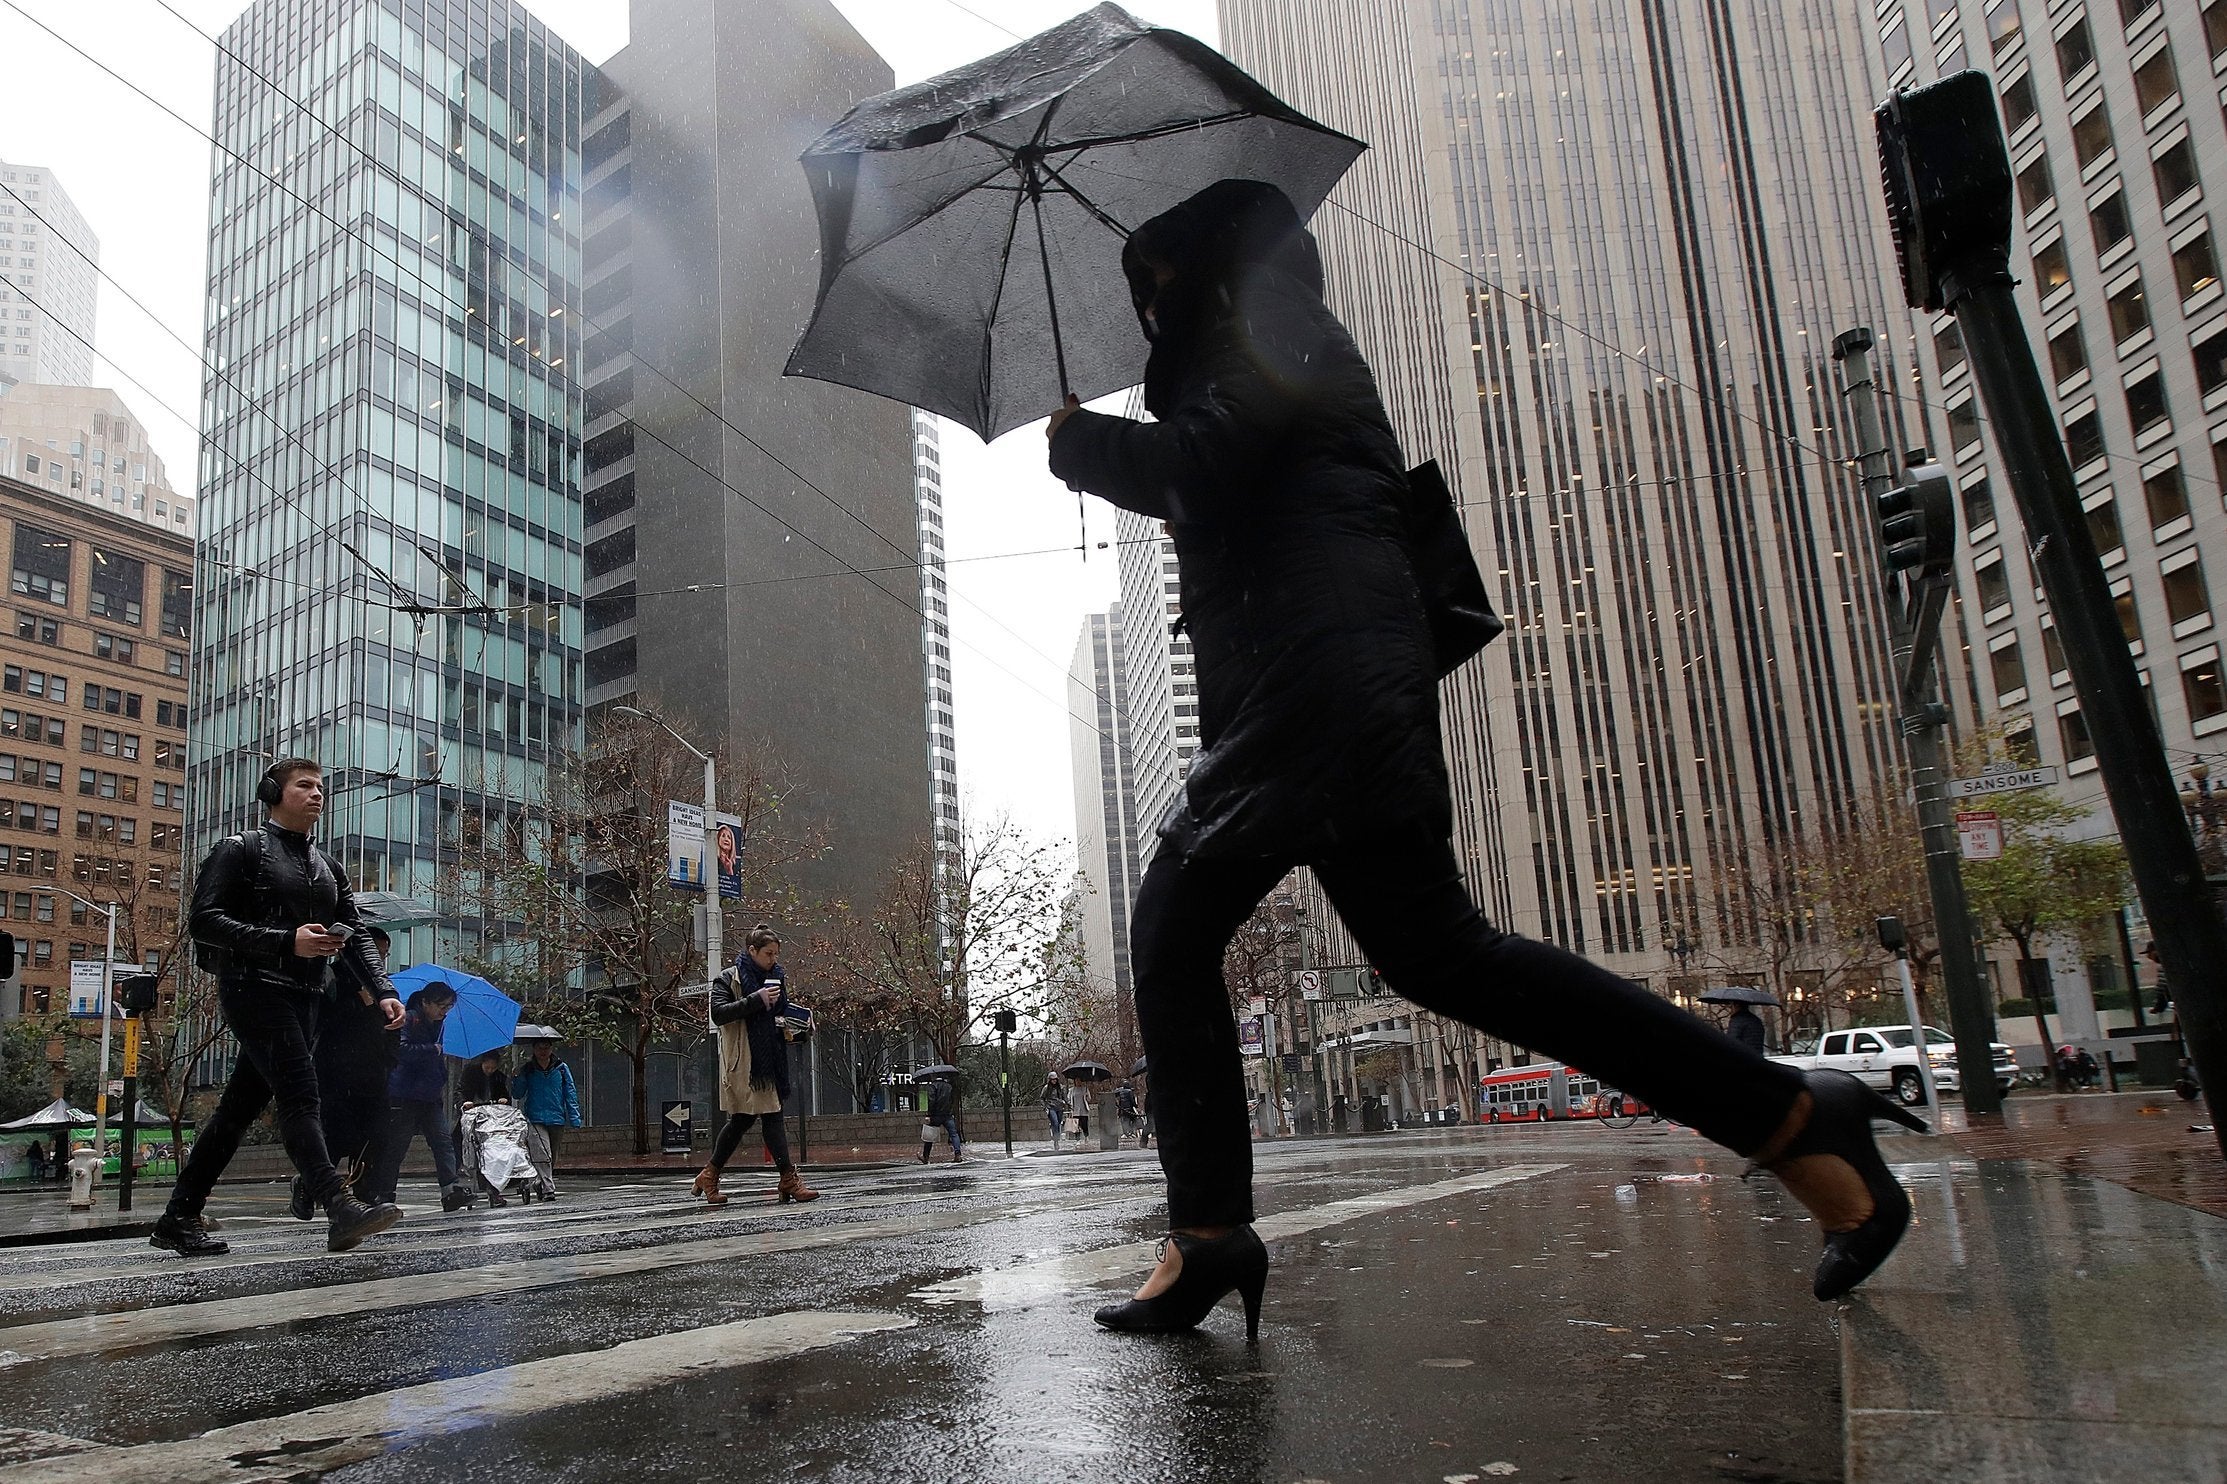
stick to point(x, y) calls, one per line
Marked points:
point(1276, 469)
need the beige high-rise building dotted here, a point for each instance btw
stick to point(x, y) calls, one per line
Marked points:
point(47, 280)
point(1597, 259)
point(85, 443)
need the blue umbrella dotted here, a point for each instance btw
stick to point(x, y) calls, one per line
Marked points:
point(484, 1019)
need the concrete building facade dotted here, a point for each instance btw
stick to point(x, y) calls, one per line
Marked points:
point(1160, 695)
point(92, 737)
point(48, 280)
point(935, 633)
point(1107, 823)
point(85, 441)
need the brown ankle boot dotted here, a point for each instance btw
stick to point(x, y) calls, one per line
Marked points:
point(792, 1188)
point(707, 1186)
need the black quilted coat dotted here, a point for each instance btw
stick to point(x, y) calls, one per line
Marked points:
point(1277, 472)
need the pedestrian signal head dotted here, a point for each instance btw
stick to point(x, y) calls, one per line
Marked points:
point(136, 993)
point(1917, 522)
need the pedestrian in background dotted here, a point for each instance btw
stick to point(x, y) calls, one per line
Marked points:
point(747, 1002)
point(1746, 1027)
point(355, 1052)
point(1055, 1108)
point(1125, 1103)
point(271, 912)
point(1296, 525)
point(417, 1098)
point(942, 1114)
point(551, 1102)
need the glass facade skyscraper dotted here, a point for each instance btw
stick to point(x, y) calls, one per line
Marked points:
point(390, 574)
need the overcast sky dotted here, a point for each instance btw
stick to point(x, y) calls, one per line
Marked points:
point(141, 178)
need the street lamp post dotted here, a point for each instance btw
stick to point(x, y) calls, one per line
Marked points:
point(714, 948)
point(108, 991)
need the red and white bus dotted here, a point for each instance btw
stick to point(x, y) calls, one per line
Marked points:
point(1539, 1092)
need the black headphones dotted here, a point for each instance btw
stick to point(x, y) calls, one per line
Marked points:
point(270, 789)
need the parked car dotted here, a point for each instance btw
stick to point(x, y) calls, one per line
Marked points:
point(1883, 1056)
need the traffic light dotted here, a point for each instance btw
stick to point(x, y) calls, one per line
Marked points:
point(1948, 186)
point(1005, 1021)
point(1917, 522)
point(136, 993)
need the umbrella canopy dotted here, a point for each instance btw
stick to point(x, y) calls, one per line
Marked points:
point(1137, 1068)
point(485, 1019)
point(943, 1069)
point(1737, 994)
point(1087, 1071)
point(971, 225)
point(527, 1031)
point(57, 1114)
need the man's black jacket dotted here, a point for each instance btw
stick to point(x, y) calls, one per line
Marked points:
point(254, 894)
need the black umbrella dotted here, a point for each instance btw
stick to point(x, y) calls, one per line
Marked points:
point(922, 1074)
point(1137, 1067)
point(971, 225)
point(1087, 1071)
point(1737, 994)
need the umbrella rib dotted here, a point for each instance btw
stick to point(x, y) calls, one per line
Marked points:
point(1005, 267)
point(1157, 131)
point(936, 210)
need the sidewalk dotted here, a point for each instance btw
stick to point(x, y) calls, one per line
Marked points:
point(2141, 1140)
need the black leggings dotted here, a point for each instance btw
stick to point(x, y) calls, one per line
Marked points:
point(738, 1124)
point(1405, 904)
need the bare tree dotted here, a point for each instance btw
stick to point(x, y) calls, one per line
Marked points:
point(565, 897)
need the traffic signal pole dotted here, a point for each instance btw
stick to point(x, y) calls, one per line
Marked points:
point(1948, 183)
point(1914, 630)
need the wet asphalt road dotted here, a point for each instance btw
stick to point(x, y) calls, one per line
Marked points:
point(1563, 1303)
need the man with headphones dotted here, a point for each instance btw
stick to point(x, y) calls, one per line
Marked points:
point(271, 916)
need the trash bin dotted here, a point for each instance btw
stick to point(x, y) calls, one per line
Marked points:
point(83, 1165)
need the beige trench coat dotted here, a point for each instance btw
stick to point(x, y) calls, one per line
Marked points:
point(737, 1093)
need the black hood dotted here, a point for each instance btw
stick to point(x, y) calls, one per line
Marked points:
point(1230, 237)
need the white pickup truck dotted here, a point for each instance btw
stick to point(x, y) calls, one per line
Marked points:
point(1882, 1057)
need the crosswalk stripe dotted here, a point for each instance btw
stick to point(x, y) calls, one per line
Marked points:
point(334, 1436)
point(1029, 1284)
point(92, 1334)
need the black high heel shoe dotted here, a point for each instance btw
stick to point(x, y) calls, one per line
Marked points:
point(1211, 1270)
point(1833, 1167)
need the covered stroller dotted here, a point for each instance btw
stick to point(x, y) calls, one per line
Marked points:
point(495, 1149)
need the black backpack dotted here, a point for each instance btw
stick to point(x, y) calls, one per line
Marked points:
point(1460, 612)
point(208, 957)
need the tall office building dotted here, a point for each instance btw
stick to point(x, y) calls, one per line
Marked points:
point(1107, 822)
point(2116, 136)
point(85, 442)
point(48, 275)
point(396, 340)
point(1641, 239)
point(1160, 694)
point(718, 594)
point(935, 633)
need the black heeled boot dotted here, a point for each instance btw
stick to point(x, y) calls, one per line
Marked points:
point(1833, 1167)
point(1212, 1269)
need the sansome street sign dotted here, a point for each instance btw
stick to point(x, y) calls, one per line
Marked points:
point(2001, 783)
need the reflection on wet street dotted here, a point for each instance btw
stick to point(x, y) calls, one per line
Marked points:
point(1557, 1302)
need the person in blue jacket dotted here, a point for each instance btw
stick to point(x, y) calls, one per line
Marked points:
point(417, 1097)
point(546, 1094)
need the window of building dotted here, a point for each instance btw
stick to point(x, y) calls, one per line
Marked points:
point(2211, 360)
point(173, 662)
point(1948, 346)
point(2035, 189)
point(2084, 439)
point(2009, 669)
point(1964, 425)
point(42, 564)
point(1896, 42)
point(2195, 270)
point(1994, 584)
point(2215, 27)
point(2130, 311)
point(2166, 494)
point(118, 585)
point(34, 629)
point(2175, 171)
point(2186, 597)
point(2155, 83)
point(2052, 649)
point(2068, 353)
point(2076, 50)
point(2072, 733)
point(2018, 103)
point(2091, 136)
point(114, 647)
point(2103, 526)
point(1979, 505)
point(2003, 25)
point(2145, 404)
point(2107, 221)
point(2201, 689)
point(177, 604)
point(2052, 271)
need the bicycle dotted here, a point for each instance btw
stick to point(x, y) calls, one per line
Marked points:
point(1622, 1114)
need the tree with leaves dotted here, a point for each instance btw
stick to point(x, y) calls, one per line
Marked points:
point(564, 900)
point(2045, 883)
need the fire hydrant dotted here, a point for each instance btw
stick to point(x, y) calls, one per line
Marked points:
point(83, 1164)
